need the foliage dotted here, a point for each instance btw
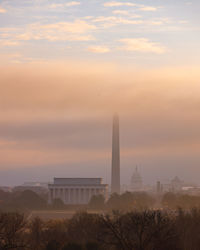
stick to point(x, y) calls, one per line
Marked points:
point(128, 201)
point(134, 230)
point(174, 201)
point(97, 202)
point(11, 231)
point(58, 204)
point(21, 201)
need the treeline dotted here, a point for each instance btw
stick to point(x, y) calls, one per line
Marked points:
point(140, 201)
point(21, 201)
point(28, 200)
point(125, 202)
point(144, 230)
point(185, 201)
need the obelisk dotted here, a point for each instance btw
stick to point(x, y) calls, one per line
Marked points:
point(115, 179)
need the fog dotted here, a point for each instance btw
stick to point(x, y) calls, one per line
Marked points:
point(56, 120)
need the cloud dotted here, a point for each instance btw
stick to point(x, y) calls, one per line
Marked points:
point(9, 43)
point(2, 10)
point(73, 3)
point(77, 30)
point(109, 21)
point(60, 5)
point(148, 8)
point(117, 4)
point(126, 13)
point(98, 49)
point(183, 21)
point(121, 12)
point(78, 26)
point(129, 4)
point(141, 7)
point(142, 45)
point(54, 37)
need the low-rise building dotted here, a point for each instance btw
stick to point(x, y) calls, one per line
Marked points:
point(76, 190)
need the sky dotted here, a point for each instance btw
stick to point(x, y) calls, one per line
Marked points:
point(67, 66)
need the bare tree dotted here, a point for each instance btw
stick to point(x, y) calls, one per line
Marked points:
point(12, 227)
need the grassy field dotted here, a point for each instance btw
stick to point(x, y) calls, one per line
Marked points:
point(56, 214)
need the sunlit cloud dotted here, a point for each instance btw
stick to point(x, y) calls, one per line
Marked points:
point(183, 22)
point(2, 10)
point(77, 30)
point(9, 43)
point(98, 49)
point(73, 3)
point(142, 45)
point(148, 8)
point(129, 4)
point(121, 12)
point(78, 26)
point(117, 4)
point(126, 13)
point(60, 5)
point(109, 21)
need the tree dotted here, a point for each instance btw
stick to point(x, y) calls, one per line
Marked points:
point(72, 246)
point(58, 204)
point(28, 199)
point(97, 202)
point(113, 202)
point(129, 201)
point(12, 226)
point(53, 245)
point(148, 230)
point(86, 226)
point(36, 237)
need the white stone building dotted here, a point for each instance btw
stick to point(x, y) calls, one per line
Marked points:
point(76, 190)
point(136, 181)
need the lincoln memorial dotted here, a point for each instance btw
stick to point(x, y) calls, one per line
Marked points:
point(76, 190)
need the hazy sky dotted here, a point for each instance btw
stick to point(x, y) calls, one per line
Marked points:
point(67, 66)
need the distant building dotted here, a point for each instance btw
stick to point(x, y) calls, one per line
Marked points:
point(76, 190)
point(158, 187)
point(37, 187)
point(136, 181)
point(6, 189)
point(36, 184)
point(176, 184)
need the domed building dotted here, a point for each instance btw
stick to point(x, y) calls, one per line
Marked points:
point(176, 184)
point(136, 181)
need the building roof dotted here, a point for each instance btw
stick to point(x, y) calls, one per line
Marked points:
point(136, 177)
point(77, 181)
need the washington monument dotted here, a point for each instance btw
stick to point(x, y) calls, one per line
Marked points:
point(115, 179)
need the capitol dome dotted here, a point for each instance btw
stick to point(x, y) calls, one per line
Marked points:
point(136, 181)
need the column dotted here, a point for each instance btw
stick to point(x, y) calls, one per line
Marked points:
point(79, 196)
point(63, 195)
point(50, 196)
point(72, 196)
point(60, 194)
point(54, 193)
point(69, 195)
point(86, 194)
point(90, 194)
point(75, 195)
point(83, 196)
point(66, 195)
